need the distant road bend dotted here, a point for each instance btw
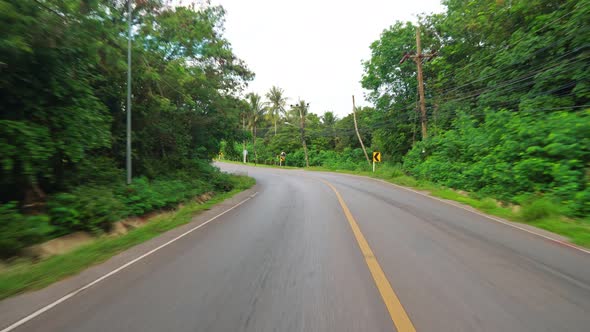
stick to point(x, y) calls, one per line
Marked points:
point(328, 252)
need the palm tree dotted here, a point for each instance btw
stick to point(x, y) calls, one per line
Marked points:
point(256, 111)
point(276, 100)
point(329, 121)
point(301, 109)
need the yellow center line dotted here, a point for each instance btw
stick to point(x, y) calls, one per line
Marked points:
point(396, 311)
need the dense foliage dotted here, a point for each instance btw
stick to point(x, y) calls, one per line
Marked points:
point(62, 107)
point(512, 155)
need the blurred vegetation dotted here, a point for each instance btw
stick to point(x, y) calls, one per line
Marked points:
point(63, 112)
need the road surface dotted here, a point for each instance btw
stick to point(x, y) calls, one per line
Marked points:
point(326, 252)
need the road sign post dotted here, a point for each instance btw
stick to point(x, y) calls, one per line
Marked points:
point(376, 158)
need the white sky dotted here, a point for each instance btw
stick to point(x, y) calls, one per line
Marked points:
point(313, 49)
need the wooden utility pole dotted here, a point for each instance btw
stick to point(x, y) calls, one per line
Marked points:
point(356, 127)
point(418, 59)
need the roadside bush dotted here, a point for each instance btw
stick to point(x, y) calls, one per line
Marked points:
point(95, 170)
point(405, 180)
point(390, 171)
point(488, 204)
point(86, 208)
point(94, 208)
point(139, 197)
point(509, 154)
point(18, 231)
point(538, 209)
point(222, 181)
point(143, 196)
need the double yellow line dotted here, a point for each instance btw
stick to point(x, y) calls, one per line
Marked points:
point(396, 311)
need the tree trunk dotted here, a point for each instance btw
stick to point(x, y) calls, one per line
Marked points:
point(303, 138)
point(254, 144)
point(304, 147)
point(34, 199)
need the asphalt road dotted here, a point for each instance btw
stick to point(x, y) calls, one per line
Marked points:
point(290, 259)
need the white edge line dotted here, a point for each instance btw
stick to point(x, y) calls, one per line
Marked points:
point(119, 269)
point(472, 211)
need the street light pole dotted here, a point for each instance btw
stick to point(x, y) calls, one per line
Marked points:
point(129, 93)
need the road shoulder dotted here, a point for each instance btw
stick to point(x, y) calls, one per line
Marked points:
point(548, 235)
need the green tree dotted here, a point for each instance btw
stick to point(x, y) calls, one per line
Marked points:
point(276, 104)
point(329, 121)
point(300, 110)
point(256, 112)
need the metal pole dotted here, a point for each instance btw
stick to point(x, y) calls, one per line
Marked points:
point(373, 166)
point(129, 93)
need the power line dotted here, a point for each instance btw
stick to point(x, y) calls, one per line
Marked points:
point(515, 43)
point(501, 71)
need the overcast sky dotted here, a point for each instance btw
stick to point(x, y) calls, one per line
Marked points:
point(313, 49)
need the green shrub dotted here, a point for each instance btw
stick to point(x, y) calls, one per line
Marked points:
point(390, 171)
point(582, 203)
point(488, 204)
point(63, 213)
point(539, 209)
point(18, 231)
point(139, 197)
point(508, 154)
point(143, 196)
point(406, 181)
point(95, 170)
point(222, 182)
point(86, 208)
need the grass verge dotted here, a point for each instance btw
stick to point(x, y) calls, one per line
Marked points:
point(26, 276)
point(576, 230)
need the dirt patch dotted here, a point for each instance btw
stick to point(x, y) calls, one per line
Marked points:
point(204, 197)
point(462, 193)
point(59, 245)
point(117, 229)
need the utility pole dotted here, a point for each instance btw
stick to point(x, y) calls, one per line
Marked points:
point(418, 59)
point(356, 128)
point(129, 93)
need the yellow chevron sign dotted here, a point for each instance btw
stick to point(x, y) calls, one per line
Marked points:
point(377, 157)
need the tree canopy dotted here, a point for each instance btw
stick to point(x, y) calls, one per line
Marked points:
point(63, 81)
